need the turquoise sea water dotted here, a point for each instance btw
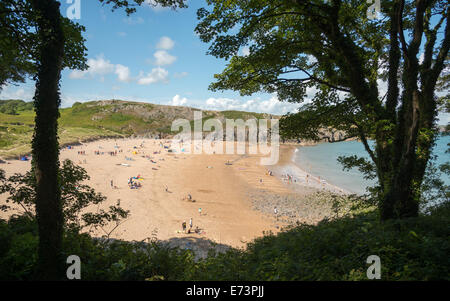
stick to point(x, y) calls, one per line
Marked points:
point(321, 160)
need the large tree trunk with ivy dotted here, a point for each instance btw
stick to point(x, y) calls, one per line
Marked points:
point(45, 141)
point(412, 131)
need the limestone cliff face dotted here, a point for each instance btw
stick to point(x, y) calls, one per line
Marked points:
point(153, 120)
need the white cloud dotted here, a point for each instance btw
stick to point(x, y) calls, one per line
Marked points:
point(163, 58)
point(122, 34)
point(100, 66)
point(245, 51)
point(123, 73)
point(222, 104)
point(77, 74)
point(180, 74)
point(270, 106)
point(157, 75)
point(134, 20)
point(165, 43)
point(177, 100)
point(155, 6)
point(13, 92)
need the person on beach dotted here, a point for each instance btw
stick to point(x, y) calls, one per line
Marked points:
point(183, 225)
point(112, 184)
point(200, 211)
point(275, 211)
point(190, 223)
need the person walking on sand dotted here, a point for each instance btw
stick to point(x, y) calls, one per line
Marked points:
point(200, 211)
point(183, 225)
point(275, 211)
point(112, 184)
point(190, 223)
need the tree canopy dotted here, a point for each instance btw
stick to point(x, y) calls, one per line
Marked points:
point(374, 78)
point(19, 42)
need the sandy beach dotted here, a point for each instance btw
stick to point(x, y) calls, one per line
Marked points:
point(234, 198)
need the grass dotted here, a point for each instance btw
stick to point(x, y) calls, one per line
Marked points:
point(90, 120)
point(16, 132)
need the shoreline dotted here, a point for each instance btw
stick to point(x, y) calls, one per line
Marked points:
point(292, 173)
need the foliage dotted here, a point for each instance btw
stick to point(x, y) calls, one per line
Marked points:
point(411, 249)
point(20, 42)
point(434, 190)
point(337, 249)
point(334, 50)
point(13, 106)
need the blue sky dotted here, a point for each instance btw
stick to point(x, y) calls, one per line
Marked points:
point(152, 56)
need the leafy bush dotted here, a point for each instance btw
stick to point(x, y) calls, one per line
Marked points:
point(410, 249)
point(12, 107)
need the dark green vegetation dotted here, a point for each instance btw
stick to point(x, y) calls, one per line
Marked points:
point(410, 249)
point(95, 119)
point(335, 249)
point(14, 106)
point(334, 48)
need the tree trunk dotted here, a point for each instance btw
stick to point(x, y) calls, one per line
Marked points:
point(45, 140)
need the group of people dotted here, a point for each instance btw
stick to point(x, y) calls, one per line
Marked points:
point(82, 153)
point(290, 178)
point(134, 184)
point(188, 231)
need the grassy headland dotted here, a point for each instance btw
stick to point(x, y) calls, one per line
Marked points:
point(97, 119)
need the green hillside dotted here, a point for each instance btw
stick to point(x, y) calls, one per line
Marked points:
point(96, 119)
